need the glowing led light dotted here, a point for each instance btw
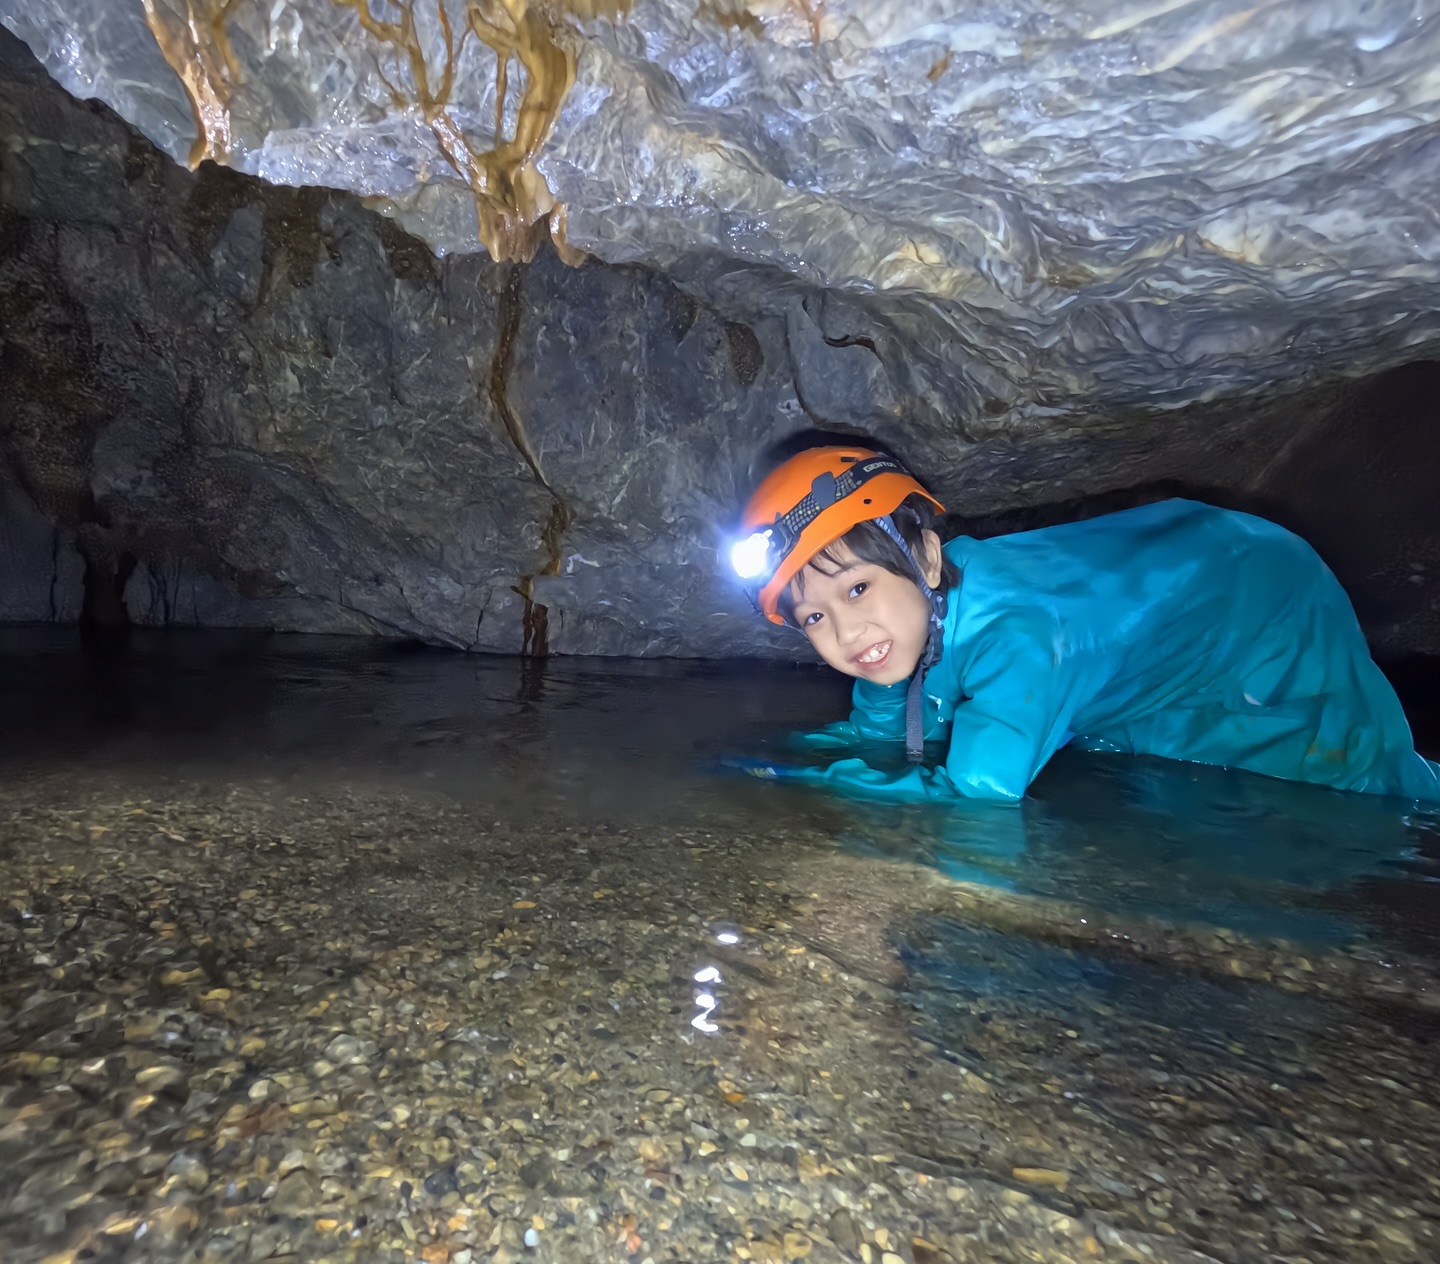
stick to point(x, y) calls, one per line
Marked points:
point(701, 1022)
point(706, 1002)
point(751, 556)
point(728, 937)
point(708, 974)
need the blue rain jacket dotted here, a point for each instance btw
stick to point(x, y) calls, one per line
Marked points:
point(1176, 629)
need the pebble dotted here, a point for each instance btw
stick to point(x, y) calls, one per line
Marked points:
point(1041, 1176)
point(797, 1246)
point(353, 1100)
point(297, 1193)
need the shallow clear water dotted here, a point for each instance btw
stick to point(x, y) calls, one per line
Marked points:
point(319, 949)
point(637, 743)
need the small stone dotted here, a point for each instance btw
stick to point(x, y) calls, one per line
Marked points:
point(441, 1182)
point(159, 1077)
point(797, 1246)
point(344, 1050)
point(219, 1250)
point(297, 1193)
point(170, 1226)
point(176, 976)
point(843, 1233)
point(293, 1160)
point(532, 1238)
point(749, 1140)
point(1041, 1176)
point(191, 1172)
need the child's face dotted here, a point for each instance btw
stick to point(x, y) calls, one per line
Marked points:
point(863, 620)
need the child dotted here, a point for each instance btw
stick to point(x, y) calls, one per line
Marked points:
point(1175, 629)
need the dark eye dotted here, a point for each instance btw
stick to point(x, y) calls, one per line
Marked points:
point(811, 619)
point(858, 589)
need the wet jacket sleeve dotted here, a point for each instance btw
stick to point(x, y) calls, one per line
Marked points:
point(877, 714)
point(1021, 697)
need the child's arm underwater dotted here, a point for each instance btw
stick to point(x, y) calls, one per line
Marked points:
point(1014, 719)
point(877, 715)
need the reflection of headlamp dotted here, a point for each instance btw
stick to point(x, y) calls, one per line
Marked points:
point(751, 557)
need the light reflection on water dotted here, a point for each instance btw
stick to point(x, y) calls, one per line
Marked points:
point(633, 743)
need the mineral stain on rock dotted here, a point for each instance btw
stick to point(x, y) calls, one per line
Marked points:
point(536, 617)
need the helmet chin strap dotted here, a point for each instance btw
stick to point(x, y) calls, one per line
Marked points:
point(934, 644)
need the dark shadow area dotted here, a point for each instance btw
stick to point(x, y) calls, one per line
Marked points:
point(1417, 680)
point(1358, 482)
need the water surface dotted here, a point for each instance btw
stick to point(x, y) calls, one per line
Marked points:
point(314, 948)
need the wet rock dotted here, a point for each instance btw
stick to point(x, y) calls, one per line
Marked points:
point(346, 1050)
point(843, 1232)
point(442, 1181)
point(297, 1194)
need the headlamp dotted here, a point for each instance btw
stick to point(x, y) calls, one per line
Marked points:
point(751, 557)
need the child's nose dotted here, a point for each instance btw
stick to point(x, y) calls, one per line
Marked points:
point(848, 627)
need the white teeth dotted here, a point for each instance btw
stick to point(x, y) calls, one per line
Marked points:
point(875, 653)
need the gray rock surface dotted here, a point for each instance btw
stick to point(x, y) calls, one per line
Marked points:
point(1059, 207)
point(267, 406)
point(228, 403)
point(41, 572)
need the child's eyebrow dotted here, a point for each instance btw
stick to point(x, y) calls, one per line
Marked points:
point(798, 582)
point(839, 567)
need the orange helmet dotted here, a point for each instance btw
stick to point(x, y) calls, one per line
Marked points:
point(808, 503)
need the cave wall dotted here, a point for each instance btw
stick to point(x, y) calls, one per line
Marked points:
point(224, 403)
point(269, 407)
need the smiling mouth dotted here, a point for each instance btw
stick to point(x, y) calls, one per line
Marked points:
point(875, 655)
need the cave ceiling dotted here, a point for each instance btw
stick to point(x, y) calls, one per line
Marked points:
point(1053, 207)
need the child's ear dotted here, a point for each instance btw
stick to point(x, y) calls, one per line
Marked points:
point(932, 562)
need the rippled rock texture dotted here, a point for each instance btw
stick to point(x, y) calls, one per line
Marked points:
point(1055, 205)
point(229, 401)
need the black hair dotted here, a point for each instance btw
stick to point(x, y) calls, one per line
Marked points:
point(870, 542)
